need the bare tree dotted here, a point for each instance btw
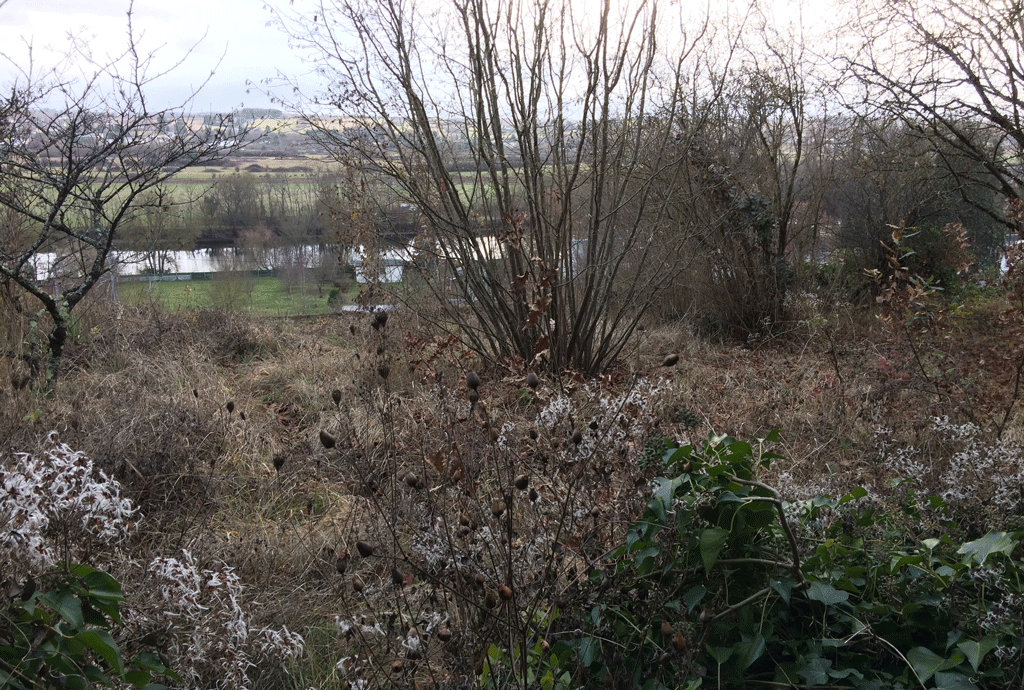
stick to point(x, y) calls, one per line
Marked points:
point(82, 145)
point(950, 70)
point(516, 130)
point(157, 230)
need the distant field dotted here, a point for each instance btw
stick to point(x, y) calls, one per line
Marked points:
point(234, 292)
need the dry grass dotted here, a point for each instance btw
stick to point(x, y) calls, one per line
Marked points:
point(433, 485)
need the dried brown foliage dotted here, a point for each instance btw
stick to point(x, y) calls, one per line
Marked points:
point(474, 519)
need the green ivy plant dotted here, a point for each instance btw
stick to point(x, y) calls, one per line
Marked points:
point(59, 636)
point(723, 583)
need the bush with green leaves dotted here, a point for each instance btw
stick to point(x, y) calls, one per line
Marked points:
point(722, 583)
point(56, 622)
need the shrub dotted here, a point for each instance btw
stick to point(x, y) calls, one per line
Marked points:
point(723, 583)
point(55, 628)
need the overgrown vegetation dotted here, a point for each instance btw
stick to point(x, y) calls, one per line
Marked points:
point(416, 524)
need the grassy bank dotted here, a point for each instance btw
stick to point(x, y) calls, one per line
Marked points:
point(236, 292)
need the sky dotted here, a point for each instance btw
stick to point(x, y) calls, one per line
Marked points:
point(237, 34)
point(234, 32)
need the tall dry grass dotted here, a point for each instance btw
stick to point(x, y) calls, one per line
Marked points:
point(403, 529)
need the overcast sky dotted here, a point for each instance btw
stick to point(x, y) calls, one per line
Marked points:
point(235, 30)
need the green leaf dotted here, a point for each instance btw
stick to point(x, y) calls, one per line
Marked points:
point(65, 604)
point(719, 654)
point(815, 671)
point(589, 650)
point(693, 596)
point(826, 593)
point(783, 587)
point(993, 542)
point(953, 681)
point(976, 651)
point(858, 492)
point(927, 663)
point(100, 584)
point(712, 540)
point(747, 652)
point(103, 644)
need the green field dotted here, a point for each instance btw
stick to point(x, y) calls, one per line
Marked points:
point(261, 296)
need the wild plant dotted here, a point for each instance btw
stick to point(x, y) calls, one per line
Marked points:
point(483, 526)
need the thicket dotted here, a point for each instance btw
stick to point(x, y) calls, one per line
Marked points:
point(343, 505)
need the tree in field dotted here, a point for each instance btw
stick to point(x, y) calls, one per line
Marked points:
point(950, 70)
point(156, 231)
point(537, 141)
point(82, 148)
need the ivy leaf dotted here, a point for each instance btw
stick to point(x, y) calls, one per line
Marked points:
point(826, 594)
point(815, 671)
point(747, 652)
point(103, 644)
point(589, 650)
point(976, 651)
point(953, 681)
point(694, 595)
point(993, 542)
point(927, 663)
point(783, 587)
point(712, 540)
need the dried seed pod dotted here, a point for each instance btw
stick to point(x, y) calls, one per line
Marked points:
point(464, 519)
point(364, 549)
point(195, 392)
point(412, 480)
point(670, 360)
point(341, 562)
point(241, 415)
point(479, 579)
point(533, 495)
point(357, 583)
point(666, 628)
point(532, 381)
point(472, 380)
point(497, 507)
point(336, 397)
point(383, 370)
point(491, 600)
point(464, 530)
point(279, 460)
point(521, 482)
point(327, 439)
point(397, 666)
point(577, 437)
point(230, 406)
point(444, 634)
point(494, 434)
point(679, 642)
point(381, 317)
point(533, 434)
point(474, 398)
point(397, 578)
point(505, 592)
